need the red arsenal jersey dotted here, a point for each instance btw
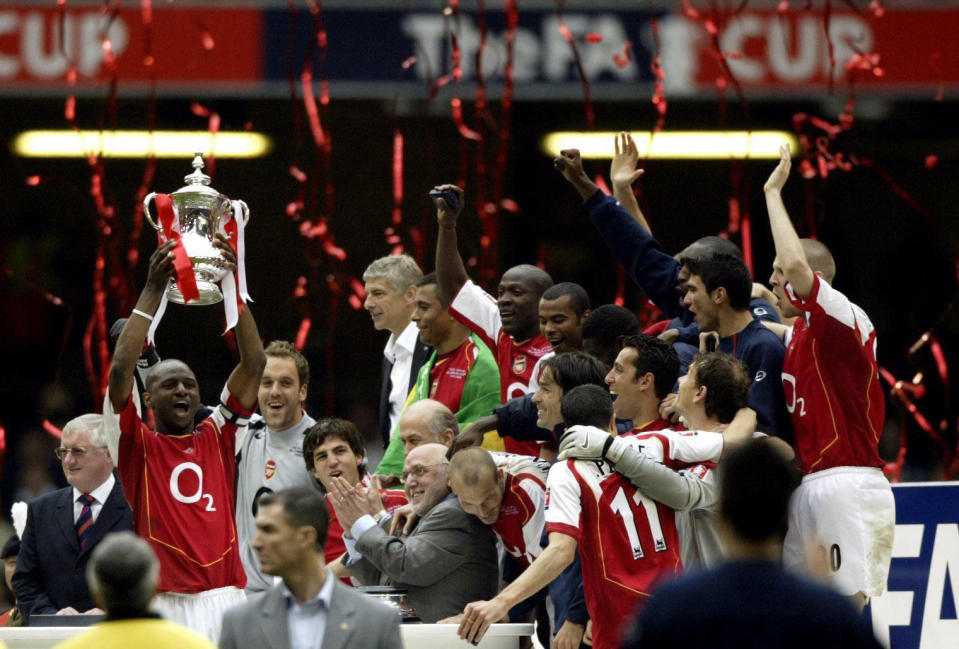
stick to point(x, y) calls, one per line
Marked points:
point(522, 515)
point(180, 489)
point(627, 542)
point(476, 309)
point(449, 372)
point(831, 382)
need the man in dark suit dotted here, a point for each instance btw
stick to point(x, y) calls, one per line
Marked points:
point(445, 562)
point(64, 526)
point(390, 285)
point(291, 527)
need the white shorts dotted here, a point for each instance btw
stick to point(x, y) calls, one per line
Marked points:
point(202, 612)
point(848, 516)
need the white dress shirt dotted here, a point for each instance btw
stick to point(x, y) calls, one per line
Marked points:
point(399, 351)
point(100, 495)
point(307, 621)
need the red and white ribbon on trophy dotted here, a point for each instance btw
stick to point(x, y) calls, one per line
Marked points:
point(233, 299)
point(235, 293)
point(185, 280)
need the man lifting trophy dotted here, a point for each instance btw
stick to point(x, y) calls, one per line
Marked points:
point(179, 478)
point(193, 215)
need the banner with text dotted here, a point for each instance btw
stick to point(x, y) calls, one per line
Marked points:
point(919, 607)
point(376, 52)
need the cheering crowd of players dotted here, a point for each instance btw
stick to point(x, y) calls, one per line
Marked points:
point(589, 453)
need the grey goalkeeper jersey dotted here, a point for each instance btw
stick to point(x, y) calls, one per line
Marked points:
point(267, 461)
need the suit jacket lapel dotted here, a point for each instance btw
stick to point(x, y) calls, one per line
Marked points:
point(65, 518)
point(272, 622)
point(340, 621)
point(110, 513)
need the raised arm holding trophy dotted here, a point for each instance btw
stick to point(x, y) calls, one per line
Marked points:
point(179, 478)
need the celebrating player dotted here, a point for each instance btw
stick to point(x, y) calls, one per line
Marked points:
point(509, 325)
point(831, 380)
point(179, 478)
point(627, 542)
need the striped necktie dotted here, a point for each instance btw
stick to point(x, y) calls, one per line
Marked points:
point(85, 522)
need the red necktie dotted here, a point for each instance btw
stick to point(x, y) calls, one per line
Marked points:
point(85, 522)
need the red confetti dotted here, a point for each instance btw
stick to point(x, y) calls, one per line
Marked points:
point(300, 289)
point(302, 333)
point(51, 429)
point(313, 115)
point(298, 174)
point(457, 112)
point(587, 96)
point(623, 58)
point(659, 78)
point(408, 63)
point(931, 161)
point(397, 177)
point(593, 37)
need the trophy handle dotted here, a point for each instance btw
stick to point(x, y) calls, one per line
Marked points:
point(246, 212)
point(146, 210)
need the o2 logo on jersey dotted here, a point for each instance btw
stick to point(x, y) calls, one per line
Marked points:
point(192, 467)
point(789, 391)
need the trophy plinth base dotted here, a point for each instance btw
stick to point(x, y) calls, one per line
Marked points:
point(209, 294)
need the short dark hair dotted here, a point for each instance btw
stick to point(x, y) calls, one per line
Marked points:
point(331, 427)
point(578, 298)
point(286, 349)
point(537, 278)
point(655, 356)
point(755, 485)
point(123, 574)
point(726, 271)
point(726, 381)
point(302, 506)
point(429, 278)
point(587, 405)
point(575, 368)
point(712, 245)
point(603, 328)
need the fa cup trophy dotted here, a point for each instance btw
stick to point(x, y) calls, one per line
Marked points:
point(199, 212)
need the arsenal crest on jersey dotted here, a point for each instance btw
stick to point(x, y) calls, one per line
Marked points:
point(269, 469)
point(519, 364)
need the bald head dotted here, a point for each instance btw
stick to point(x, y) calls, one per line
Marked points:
point(518, 295)
point(165, 367)
point(478, 483)
point(427, 421)
point(819, 258)
point(538, 279)
point(427, 454)
point(471, 466)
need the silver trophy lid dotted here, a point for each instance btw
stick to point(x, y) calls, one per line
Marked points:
point(197, 182)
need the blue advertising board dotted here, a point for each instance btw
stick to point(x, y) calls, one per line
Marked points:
point(919, 608)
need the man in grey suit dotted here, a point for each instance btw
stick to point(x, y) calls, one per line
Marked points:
point(449, 558)
point(291, 527)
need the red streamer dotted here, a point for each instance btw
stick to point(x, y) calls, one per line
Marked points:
point(185, 279)
point(587, 96)
point(52, 430)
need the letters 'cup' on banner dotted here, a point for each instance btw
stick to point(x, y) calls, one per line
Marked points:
point(200, 212)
